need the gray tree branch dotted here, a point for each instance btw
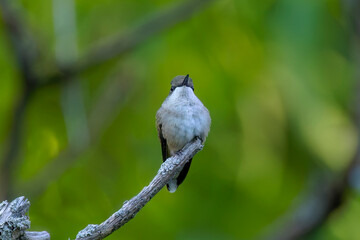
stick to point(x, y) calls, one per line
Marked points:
point(171, 167)
point(14, 222)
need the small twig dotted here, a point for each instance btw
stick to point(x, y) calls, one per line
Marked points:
point(168, 170)
point(37, 235)
point(14, 222)
point(127, 41)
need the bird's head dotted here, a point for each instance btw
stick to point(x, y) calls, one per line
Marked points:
point(181, 81)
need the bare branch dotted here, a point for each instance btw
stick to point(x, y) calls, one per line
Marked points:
point(14, 222)
point(171, 167)
point(37, 235)
point(121, 44)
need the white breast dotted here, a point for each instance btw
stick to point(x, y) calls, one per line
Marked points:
point(183, 117)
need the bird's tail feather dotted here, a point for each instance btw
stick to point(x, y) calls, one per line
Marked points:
point(174, 183)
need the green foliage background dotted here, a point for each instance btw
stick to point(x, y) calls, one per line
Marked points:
point(277, 77)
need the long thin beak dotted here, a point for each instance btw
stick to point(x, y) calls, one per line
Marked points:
point(185, 82)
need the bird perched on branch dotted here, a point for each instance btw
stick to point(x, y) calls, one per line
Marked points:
point(180, 119)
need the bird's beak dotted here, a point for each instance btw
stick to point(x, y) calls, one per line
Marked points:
point(185, 82)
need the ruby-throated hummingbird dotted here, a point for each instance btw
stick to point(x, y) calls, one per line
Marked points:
point(180, 119)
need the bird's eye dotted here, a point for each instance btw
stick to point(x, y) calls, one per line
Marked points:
point(193, 89)
point(172, 88)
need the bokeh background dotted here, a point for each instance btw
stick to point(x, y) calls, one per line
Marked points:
point(279, 80)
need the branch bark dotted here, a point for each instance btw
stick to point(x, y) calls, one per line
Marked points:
point(14, 222)
point(171, 167)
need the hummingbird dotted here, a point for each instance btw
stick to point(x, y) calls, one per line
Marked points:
point(180, 119)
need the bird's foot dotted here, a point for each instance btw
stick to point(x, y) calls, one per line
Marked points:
point(197, 137)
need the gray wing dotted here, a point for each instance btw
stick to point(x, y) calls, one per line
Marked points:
point(164, 147)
